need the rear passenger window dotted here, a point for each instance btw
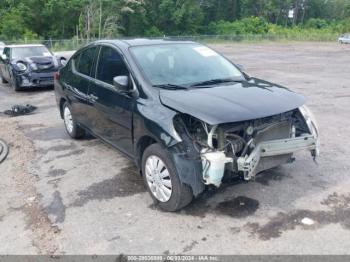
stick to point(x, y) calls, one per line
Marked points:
point(110, 65)
point(84, 62)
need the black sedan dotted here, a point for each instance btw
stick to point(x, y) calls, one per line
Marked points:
point(25, 66)
point(184, 113)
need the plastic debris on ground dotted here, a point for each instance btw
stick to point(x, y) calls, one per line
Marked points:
point(19, 110)
point(307, 221)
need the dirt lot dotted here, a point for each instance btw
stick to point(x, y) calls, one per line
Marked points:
point(61, 196)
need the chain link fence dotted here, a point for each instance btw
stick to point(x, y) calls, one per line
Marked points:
point(74, 44)
point(55, 44)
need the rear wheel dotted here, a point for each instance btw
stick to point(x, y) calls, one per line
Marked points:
point(72, 127)
point(162, 181)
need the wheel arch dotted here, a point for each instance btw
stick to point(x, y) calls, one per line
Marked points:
point(141, 145)
point(61, 103)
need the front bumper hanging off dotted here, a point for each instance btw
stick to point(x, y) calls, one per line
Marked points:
point(36, 79)
point(249, 163)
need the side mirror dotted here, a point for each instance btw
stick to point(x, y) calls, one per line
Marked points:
point(63, 61)
point(4, 57)
point(121, 83)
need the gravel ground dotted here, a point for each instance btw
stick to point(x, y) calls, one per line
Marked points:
point(61, 196)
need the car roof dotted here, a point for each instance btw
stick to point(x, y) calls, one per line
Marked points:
point(36, 45)
point(143, 41)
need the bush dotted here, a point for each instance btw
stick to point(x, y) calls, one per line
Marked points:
point(345, 26)
point(250, 25)
point(153, 32)
point(316, 23)
point(255, 25)
point(256, 29)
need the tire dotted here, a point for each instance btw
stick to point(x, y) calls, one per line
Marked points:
point(71, 125)
point(15, 85)
point(181, 195)
point(3, 81)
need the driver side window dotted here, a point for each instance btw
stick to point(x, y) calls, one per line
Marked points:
point(110, 65)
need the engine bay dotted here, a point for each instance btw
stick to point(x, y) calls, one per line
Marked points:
point(249, 147)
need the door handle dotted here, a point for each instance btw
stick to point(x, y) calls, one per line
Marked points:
point(93, 98)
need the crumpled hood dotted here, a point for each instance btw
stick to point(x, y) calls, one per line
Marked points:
point(43, 62)
point(232, 103)
point(40, 59)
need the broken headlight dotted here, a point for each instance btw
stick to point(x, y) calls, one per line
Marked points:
point(34, 66)
point(21, 66)
point(311, 122)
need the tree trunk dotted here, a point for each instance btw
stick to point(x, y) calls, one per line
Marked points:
point(296, 11)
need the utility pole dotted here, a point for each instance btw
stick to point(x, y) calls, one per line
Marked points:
point(99, 27)
point(88, 23)
point(296, 11)
point(303, 7)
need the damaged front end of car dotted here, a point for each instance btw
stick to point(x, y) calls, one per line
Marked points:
point(36, 71)
point(243, 148)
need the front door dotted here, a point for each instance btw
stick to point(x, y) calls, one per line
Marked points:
point(113, 110)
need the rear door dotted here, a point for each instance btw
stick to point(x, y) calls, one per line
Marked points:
point(77, 83)
point(112, 109)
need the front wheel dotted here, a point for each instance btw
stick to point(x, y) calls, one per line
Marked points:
point(3, 81)
point(162, 181)
point(14, 84)
point(72, 127)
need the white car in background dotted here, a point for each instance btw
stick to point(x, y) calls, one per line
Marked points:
point(344, 39)
point(2, 46)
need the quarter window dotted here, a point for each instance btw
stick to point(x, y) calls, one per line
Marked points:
point(85, 60)
point(110, 65)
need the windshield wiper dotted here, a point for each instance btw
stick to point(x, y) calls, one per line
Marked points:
point(171, 86)
point(214, 81)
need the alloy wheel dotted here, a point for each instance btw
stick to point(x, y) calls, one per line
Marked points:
point(68, 119)
point(158, 178)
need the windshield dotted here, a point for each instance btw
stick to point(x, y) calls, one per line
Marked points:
point(183, 64)
point(23, 52)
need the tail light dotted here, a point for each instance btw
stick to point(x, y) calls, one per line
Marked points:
point(56, 76)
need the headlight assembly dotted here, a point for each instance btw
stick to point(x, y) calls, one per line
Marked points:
point(34, 66)
point(313, 127)
point(310, 119)
point(21, 66)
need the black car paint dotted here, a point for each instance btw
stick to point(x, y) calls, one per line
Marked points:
point(41, 77)
point(146, 114)
point(237, 98)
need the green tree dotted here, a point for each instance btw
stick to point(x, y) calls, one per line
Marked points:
point(111, 18)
